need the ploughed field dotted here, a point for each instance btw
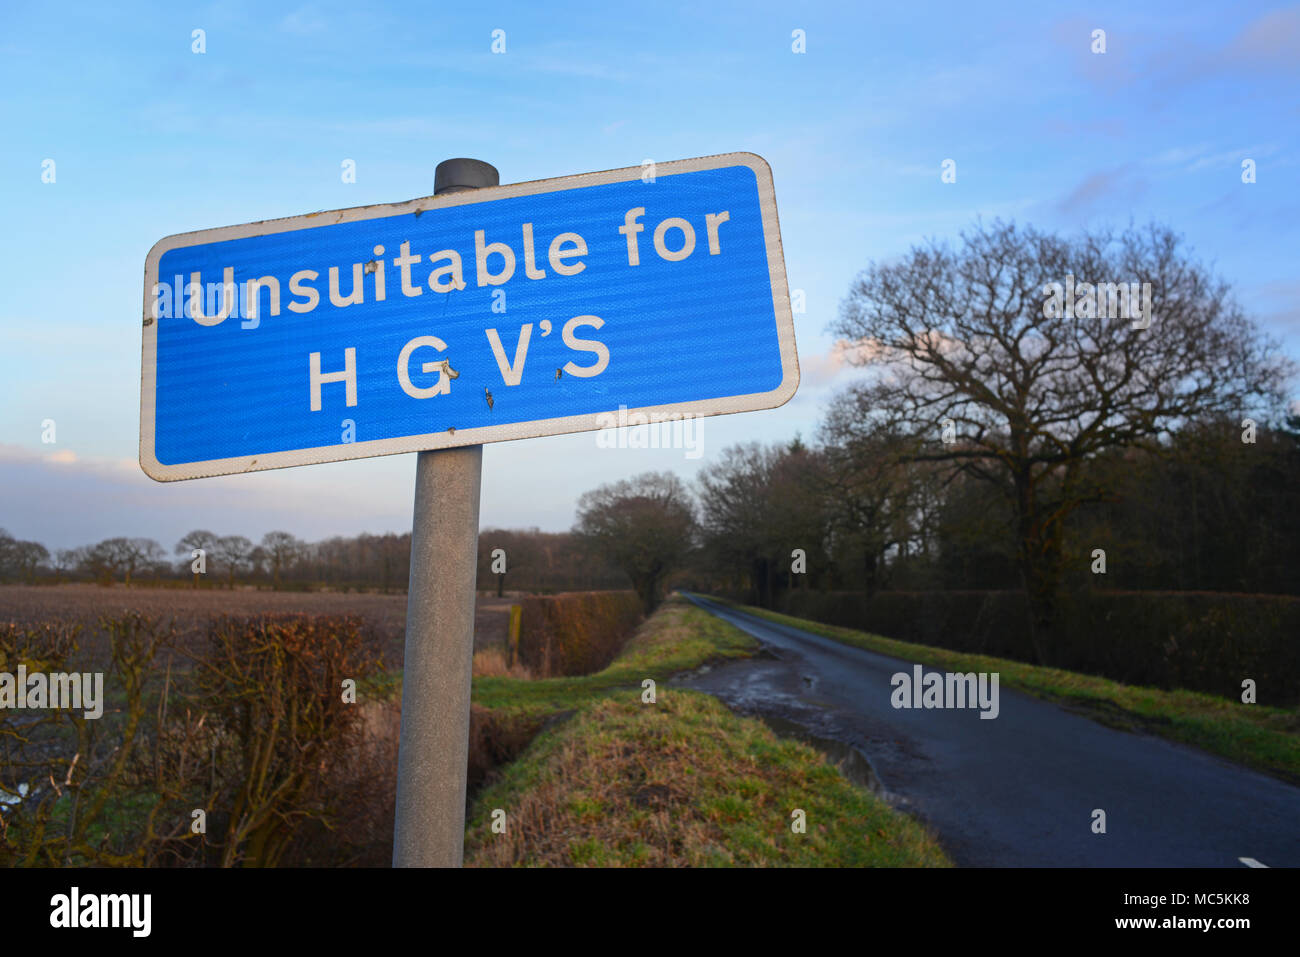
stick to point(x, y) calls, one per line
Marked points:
point(189, 609)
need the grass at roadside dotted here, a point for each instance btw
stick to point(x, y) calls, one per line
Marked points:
point(1254, 735)
point(681, 782)
point(679, 637)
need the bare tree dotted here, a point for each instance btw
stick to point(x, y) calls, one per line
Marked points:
point(29, 556)
point(20, 557)
point(99, 561)
point(643, 525)
point(144, 554)
point(198, 540)
point(65, 559)
point(280, 549)
point(235, 552)
point(519, 552)
point(257, 560)
point(874, 492)
point(757, 505)
point(7, 543)
point(154, 558)
point(979, 349)
point(123, 555)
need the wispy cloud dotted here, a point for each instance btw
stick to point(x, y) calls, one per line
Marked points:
point(1266, 45)
point(821, 369)
point(1119, 184)
point(1231, 158)
point(1203, 156)
point(1270, 42)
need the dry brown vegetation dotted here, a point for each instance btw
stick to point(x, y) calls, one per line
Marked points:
point(259, 735)
point(576, 633)
point(493, 662)
point(237, 709)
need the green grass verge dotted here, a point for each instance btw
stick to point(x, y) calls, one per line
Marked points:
point(681, 782)
point(1260, 737)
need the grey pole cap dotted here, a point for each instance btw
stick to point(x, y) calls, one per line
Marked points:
point(454, 175)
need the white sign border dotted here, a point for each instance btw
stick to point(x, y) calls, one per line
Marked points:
point(536, 428)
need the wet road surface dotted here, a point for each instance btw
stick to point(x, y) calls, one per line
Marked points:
point(1018, 790)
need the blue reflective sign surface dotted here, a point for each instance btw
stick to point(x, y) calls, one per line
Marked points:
point(424, 325)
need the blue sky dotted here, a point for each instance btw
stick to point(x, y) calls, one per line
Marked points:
point(150, 139)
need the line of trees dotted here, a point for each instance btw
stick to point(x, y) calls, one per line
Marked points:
point(381, 562)
point(520, 560)
point(998, 440)
point(530, 560)
point(21, 560)
point(1212, 508)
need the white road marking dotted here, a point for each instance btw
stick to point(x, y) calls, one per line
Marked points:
point(1251, 862)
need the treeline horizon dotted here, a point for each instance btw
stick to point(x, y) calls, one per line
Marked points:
point(1205, 512)
point(536, 561)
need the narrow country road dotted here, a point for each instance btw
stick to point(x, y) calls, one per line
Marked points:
point(1018, 790)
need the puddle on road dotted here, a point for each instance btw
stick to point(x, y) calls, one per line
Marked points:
point(758, 687)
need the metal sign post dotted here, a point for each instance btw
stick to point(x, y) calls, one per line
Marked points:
point(429, 830)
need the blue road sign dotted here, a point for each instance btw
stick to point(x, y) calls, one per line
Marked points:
point(533, 309)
